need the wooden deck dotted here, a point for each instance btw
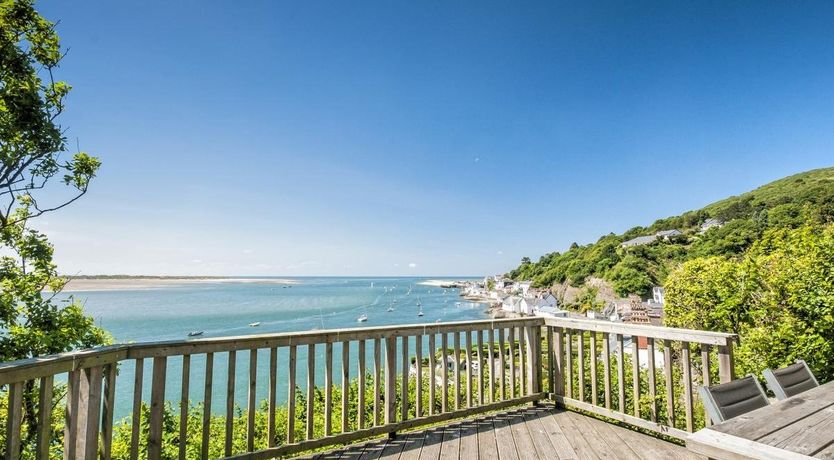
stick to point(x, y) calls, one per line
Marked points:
point(532, 433)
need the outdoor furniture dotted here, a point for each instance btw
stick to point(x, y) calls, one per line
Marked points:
point(801, 426)
point(790, 381)
point(732, 399)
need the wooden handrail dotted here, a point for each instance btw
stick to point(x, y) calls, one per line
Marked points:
point(656, 332)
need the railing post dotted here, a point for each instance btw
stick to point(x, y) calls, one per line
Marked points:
point(85, 395)
point(160, 365)
point(725, 361)
point(390, 380)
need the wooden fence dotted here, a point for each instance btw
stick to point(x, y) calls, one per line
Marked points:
point(454, 370)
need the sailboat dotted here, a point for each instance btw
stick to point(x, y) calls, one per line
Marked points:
point(390, 307)
point(420, 306)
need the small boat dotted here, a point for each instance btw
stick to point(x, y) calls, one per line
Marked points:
point(372, 284)
point(195, 333)
point(420, 306)
point(420, 313)
point(255, 324)
point(390, 309)
point(362, 318)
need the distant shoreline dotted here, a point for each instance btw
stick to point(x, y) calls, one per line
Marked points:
point(130, 283)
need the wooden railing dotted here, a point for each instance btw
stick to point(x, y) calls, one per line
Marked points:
point(445, 380)
point(612, 369)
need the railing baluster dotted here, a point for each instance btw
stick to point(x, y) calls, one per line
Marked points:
point(251, 399)
point(501, 363)
point(311, 389)
point(551, 359)
point(491, 363)
point(186, 375)
point(139, 370)
point(360, 409)
point(592, 355)
point(651, 372)
point(480, 358)
point(580, 358)
point(345, 385)
point(404, 379)
point(377, 381)
point(207, 392)
point(511, 356)
point(45, 414)
point(531, 340)
point(522, 360)
point(230, 402)
point(291, 359)
point(687, 385)
point(108, 409)
point(558, 363)
point(418, 375)
point(390, 379)
point(668, 377)
point(160, 366)
point(705, 377)
point(635, 373)
point(432, 373)
point(328, 388)
point(468, 357)
point(272, 397)
point(569, 363)
point(444, 373)
point(456, 342)
point(621, 372)
point(14, 419)
point(606, 366)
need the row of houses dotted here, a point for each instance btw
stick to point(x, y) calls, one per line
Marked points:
point(542, 304)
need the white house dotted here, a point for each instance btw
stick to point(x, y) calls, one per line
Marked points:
point(528, 305)
point(710, 223)
point(510, 304)
point(523, 287)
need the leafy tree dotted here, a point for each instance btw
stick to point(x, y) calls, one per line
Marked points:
point(778, 297)
point(32, 151)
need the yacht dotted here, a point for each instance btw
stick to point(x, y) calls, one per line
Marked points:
point(195, 333)
point(255, 324)
point(362, 318)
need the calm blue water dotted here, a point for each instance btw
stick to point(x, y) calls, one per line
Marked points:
point(225, 309)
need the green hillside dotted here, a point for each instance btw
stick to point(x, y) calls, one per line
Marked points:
point(801, 199)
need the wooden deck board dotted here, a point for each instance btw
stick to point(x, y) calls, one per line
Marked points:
point(530, 433)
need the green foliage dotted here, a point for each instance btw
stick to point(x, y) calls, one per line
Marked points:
point(778, 297)
point(792, 202)
point(31, 148)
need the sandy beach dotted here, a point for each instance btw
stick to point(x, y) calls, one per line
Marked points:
point(126, 284)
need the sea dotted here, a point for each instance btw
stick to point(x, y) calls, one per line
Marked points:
point(220, 308)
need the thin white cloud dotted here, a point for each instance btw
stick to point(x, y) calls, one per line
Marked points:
point(412, 265)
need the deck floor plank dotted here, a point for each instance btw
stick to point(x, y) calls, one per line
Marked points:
point(487, 448)
point(504, 438)
point(469, 439)
point(543, 432)
point(431, 445)
point(575, 437)
point(450, 450)
point(542, 442)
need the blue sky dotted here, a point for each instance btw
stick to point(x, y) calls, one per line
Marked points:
point(424, 138)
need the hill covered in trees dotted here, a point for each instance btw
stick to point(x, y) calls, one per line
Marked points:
point(792, 202)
